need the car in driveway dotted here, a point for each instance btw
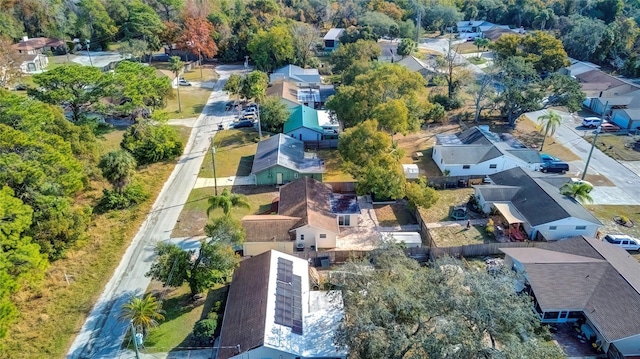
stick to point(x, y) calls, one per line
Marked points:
point(183, 82)
point(243, 123)
point(591, 122)
point(624, 241)
point(554, 167)
point(608, 127)
point(548, 158)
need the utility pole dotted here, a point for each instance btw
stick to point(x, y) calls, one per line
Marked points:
point(135, 340)
point(87, 41)
point(213, 162)
point(259, 124)
point(593, 144)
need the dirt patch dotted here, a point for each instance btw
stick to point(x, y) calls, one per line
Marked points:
point(396, 214)
point(527, 132)
point(458, 235)
point(423, 142)
point(618, 147)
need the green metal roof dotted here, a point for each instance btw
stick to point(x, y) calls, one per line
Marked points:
point(302, 116)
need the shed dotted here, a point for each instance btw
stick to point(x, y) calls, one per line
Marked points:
point(411, 171)
point(410, 239)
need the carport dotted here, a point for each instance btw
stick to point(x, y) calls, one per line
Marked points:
point(513, 219)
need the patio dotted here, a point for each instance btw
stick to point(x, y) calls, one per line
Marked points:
point(569, 338)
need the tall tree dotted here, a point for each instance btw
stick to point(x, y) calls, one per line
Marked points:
point(272, 48)
point(304, 38)
point(225, 229)
point(93, 22)
point(138, 89)
point(255, 86)
point(142, 22)
point(273, 114)
point(583, 37)
point(212, 264)
point(152, 140)
point(521, 93)
point(118, 167)
point(197, 38)
point(9, 63)
point(234, 84)
point(397, 309)
point(484, 91)
point(143, 312)
point(349, 54)
point(451, 65)
point(577, 190)
point(78, 87)
point(406, 47)
point(548, 123)
point(227, 200)
point(134, 49)
point(177, 66)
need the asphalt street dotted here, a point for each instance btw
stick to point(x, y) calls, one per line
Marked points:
point(102, 333)
point(570, 134)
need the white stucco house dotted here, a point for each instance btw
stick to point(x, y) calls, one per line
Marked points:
point(272, 312)
point(588, 281)
point(534, 203)
point(477, 151)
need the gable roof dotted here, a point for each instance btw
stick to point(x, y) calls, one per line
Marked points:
point(413, 63)
point(334, 34)
point(283, 89)
point(285, 151)
point(245, 314)
point(268, 228)
point(37, 43)
point(597, 278)
point(303, 116)
point(296, 73)
point(537, 200)
point(308, 200)
point(468, 154)
point(265, 290)
point(495, 33)
point(596, 76)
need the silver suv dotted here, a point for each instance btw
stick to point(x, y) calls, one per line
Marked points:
point(624, 241)
point(591, 122)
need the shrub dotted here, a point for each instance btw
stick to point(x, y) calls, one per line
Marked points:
point(446, 102)
point(217, 306)
point(131, 195)
point(489, 228)
point(212, 316)
point(204, 329)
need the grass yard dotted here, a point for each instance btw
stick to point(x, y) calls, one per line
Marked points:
point(234, 153)
point(333, 165)
point(615, 146)
point(459, 235)
point(476, 61)
point(421, 141)
point(465, 47)
point(193, 100)
point(193, 217)
point(446, 199)
point(181, 314)
point(396, 214)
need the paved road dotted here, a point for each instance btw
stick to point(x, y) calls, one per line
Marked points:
point(102, 333)
point(570, 134)
point(441, 45)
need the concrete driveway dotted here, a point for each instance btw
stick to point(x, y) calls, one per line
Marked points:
point(627, 182)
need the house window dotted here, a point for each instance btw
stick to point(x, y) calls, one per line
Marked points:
point(344, 220)
point(295, 175)
point(441, 160)
point(551, 315)
point(466, 167)
point(302, 237)
point(493, 166)
point(553, 228)
point(322, 235)
point(581, 228)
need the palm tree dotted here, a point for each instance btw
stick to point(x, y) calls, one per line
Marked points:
point(143, 312)
point(176, 66)
point(548, 123)
point(579, 191)
point(226, 201)
point(118, 167)
point(481, 43)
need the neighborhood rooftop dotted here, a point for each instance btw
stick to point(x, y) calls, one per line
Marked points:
point(287, 152)
point(307, 199)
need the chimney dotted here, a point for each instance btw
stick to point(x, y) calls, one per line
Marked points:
point(25, 38)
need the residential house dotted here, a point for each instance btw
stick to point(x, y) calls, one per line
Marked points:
point(471, 29)
point(332, 39)
point(414, 64)
point(309, 217)
point(301, 77)
point(272, 312)
point(39, 45)
point(281, 159)
point(533, 203)
point(293, 95)
point(286, 91)
point(587, 281)
point(496, 33)
point(104, 60)
point(477, 151)
point(33, 63)
point(304, 125)
point(627, 118)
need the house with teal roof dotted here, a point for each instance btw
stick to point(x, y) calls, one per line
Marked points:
point(308, 124)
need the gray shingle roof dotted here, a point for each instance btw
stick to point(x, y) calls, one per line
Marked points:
point(474, 136)
point(285, 151)
point(468, 154)
point(527, 155)
point(297, 73)
point(538, 201)
point(308, 200)
point(604, 285)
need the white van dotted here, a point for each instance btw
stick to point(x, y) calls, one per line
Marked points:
point(624, 241)
point(591, 122)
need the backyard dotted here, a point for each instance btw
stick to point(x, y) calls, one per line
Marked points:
point(447, 199)
point(395, 214)
point(457, 234)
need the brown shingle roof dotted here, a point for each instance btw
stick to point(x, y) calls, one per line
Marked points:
point(269, 228)
point(599, 77)
point(308, 199)
point(283, 89)
point(605, 285)
point(37, 43)
point(246, 311)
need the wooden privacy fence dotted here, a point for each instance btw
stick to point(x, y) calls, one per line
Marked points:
point(443, 182)
point(477, 250)
point(333, 256)
point(320, 145)
point(343, 187)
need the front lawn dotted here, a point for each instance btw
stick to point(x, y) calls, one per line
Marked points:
point(459, 235)
point(476, 60)
point(193, 100)
point(193, 217)
point(618, 147)
point(234, 153)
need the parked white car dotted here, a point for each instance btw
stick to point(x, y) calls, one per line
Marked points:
point(591, 122)
point(622, 240)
